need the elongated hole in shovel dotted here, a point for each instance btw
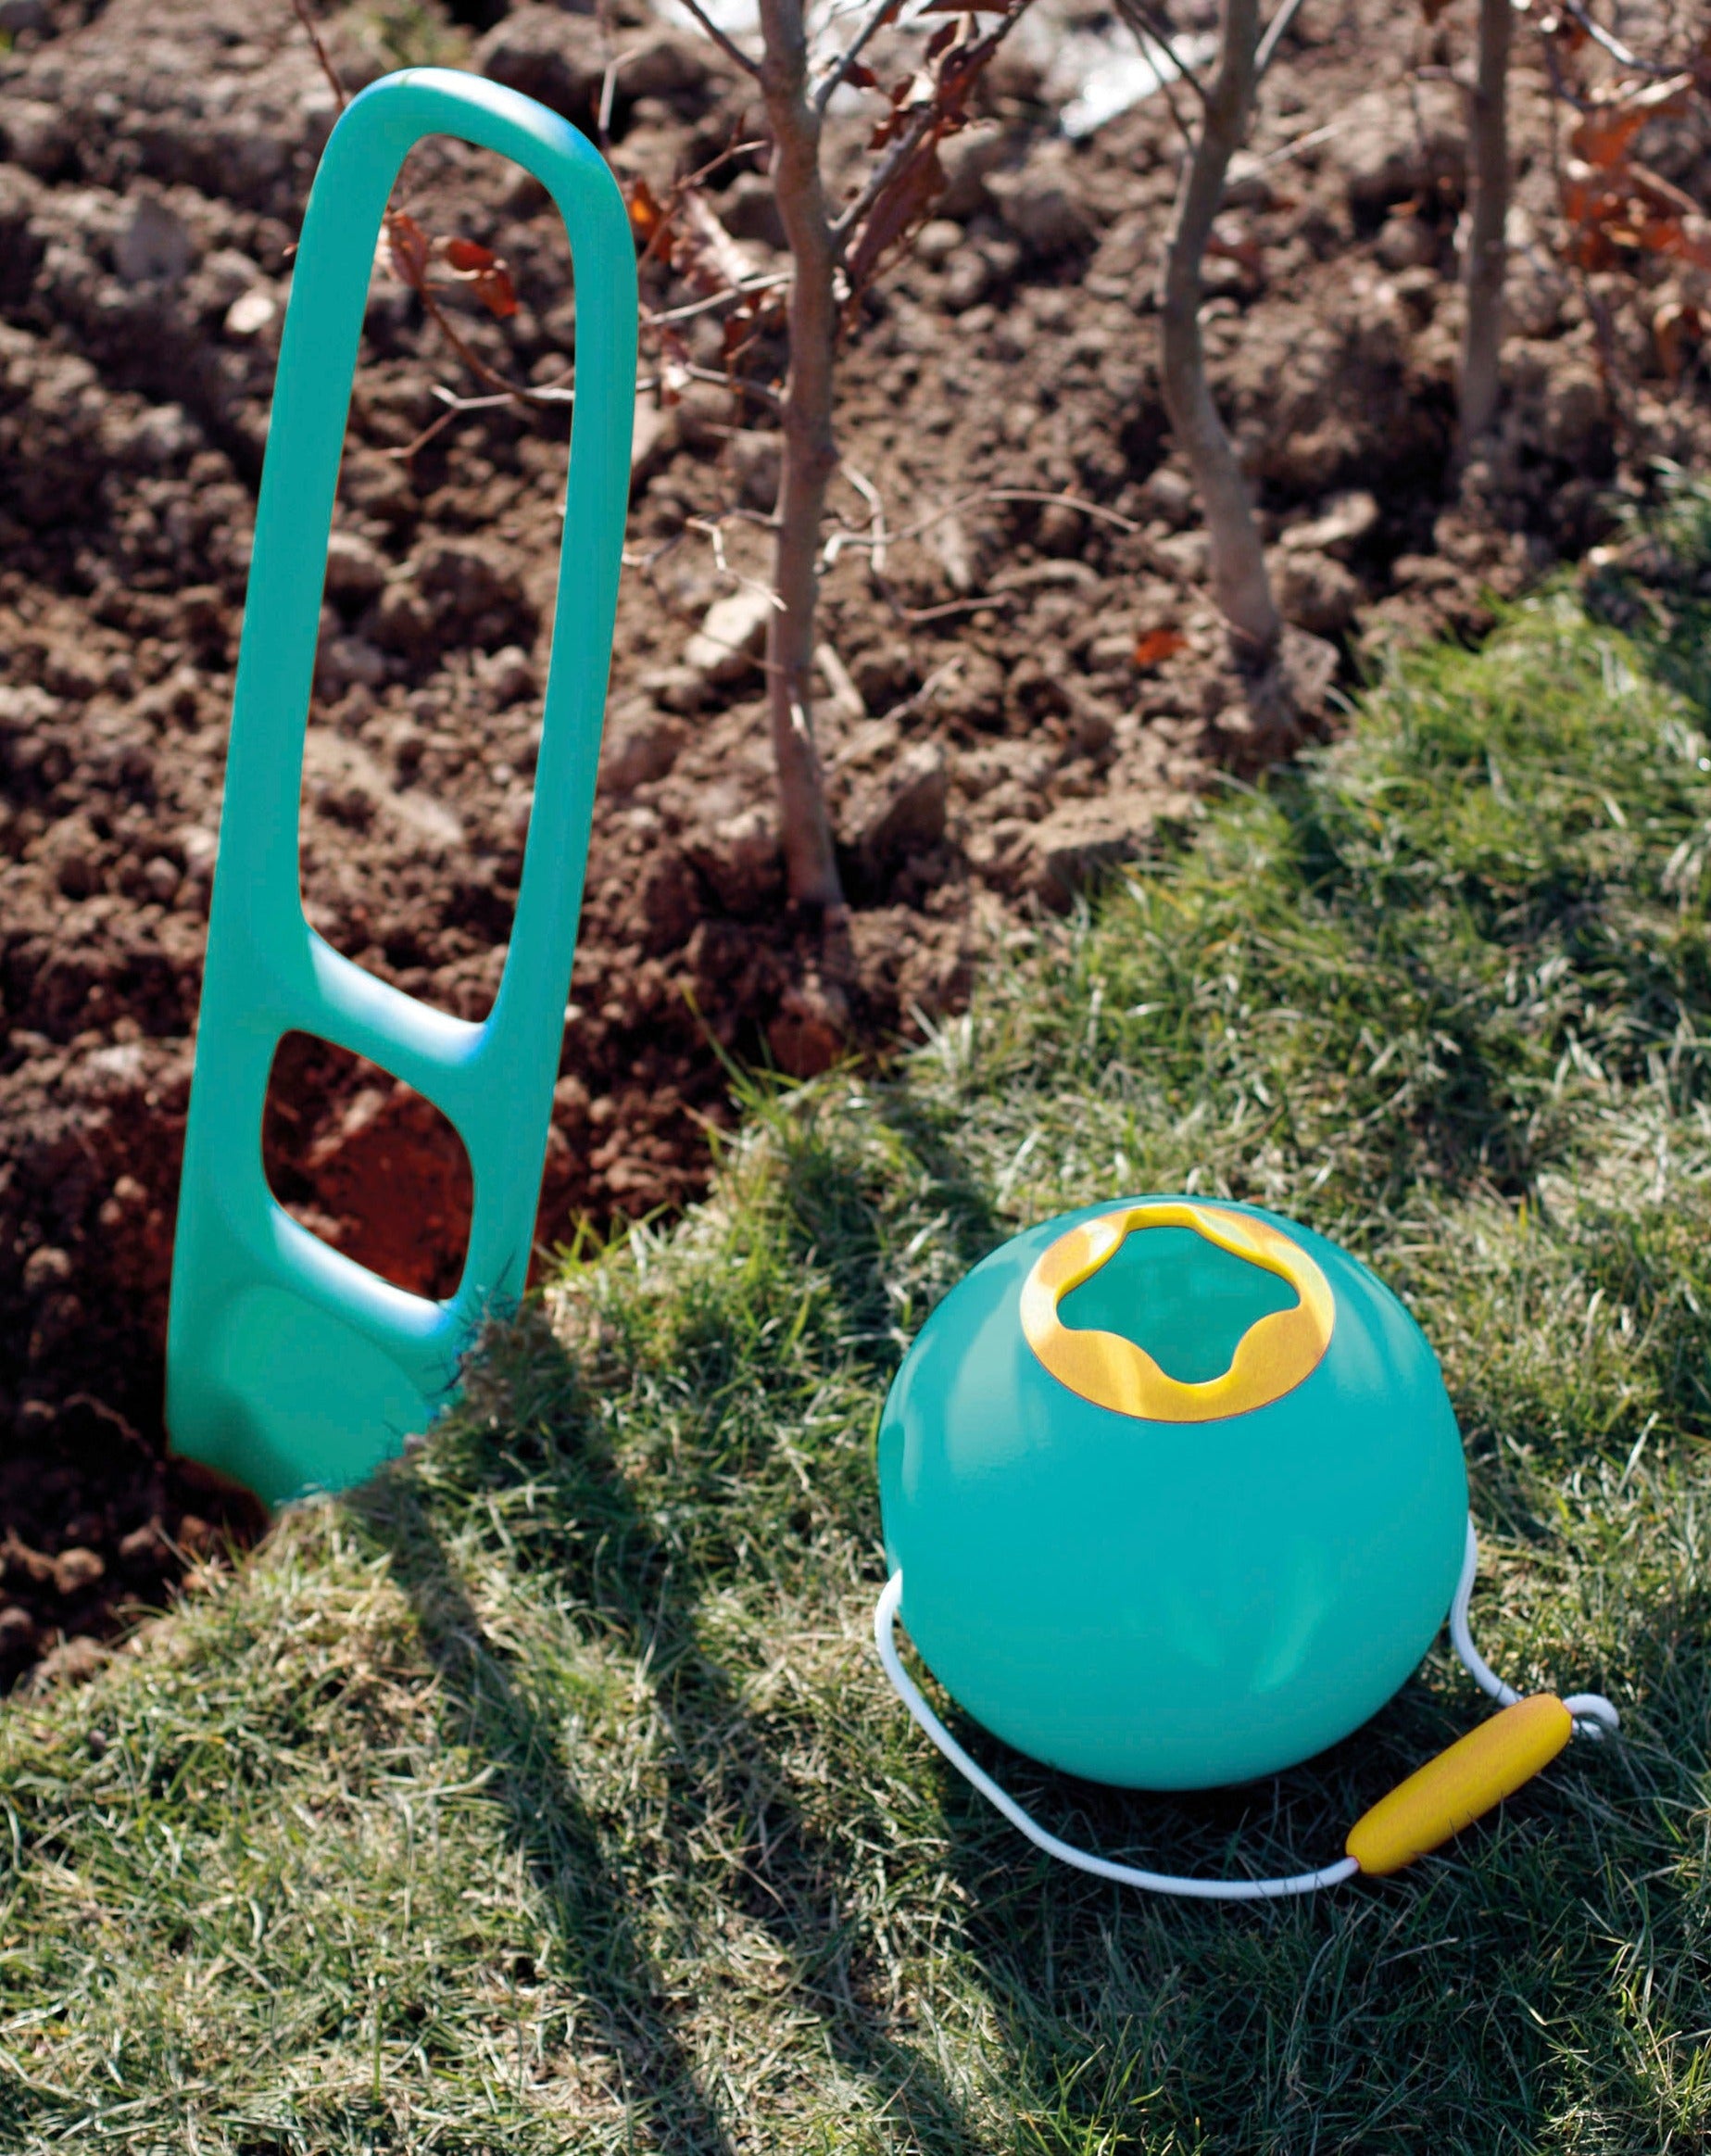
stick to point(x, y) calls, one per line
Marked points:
point(419, 757)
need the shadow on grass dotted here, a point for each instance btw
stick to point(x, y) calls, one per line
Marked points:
point(958, 1190)
point(786, 1877)
point(488, 1711)
point(1544, 1969)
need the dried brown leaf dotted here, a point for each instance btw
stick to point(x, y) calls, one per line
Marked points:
point(647, 214)
point(901, 207)
point(409, 248)
point(1603, 138)
point(472, 263)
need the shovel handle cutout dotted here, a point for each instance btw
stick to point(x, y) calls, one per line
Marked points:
point(289, 1367)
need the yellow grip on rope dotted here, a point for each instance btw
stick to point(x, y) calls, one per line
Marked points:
point(1478, 1771)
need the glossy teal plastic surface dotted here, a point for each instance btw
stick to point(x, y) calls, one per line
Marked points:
point(289, 1367)
point(1171, 1605)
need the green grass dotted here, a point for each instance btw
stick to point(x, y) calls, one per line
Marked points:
point(407, 33)
point(547, 1795)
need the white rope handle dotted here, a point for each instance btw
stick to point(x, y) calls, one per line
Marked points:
point(1593, 1717)
point(885, 1638)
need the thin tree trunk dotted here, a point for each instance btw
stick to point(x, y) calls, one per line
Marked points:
point(1489, 215)
point(1240, 582)
point(810, 455)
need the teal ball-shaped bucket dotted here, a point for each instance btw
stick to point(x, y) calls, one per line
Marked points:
point(1176, 1491)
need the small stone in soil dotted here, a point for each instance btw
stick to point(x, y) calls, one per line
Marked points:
point(903, 811)
point(145, 1549)
point(155, 247)
point(76, 1570)
point(510, 674)
point(728, 642)
point(641, 745)
point(161, 878)
point(1342, 522)
point(355, 568)
point(45, 1269)
point(24, 1565)
point(250, 313)
point(1316, 592)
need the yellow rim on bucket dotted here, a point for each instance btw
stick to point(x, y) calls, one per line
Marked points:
point(1272, 1357)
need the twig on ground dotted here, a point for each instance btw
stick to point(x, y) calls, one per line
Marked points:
point(1301, 142)
point(842, 542)
point(920, 615)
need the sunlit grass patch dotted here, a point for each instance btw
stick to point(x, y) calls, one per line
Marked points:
point(545, 1795)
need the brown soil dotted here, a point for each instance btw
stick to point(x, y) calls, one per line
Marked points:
point(989, 734)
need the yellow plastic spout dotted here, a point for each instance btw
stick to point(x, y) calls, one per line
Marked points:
point(1448, 1793)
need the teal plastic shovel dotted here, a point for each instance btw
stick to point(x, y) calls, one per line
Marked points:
point(290, 1368)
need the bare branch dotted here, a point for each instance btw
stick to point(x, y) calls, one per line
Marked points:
point(1614, 45)
point(886, 11)
point(902, 148)
point(523, 392)
point(914, 616)
point(1274, 36)
point(1240, 585)
point(771, 282)
point(878, 538)
point(608, 88)
point(1561, 87)
point(727, 45)
point(456, 407)
point(1488, 218)
point(739, 382)
point(704, 172)
point(708, 528)
point(712, 529)
point(1149, 31)
point(808, 456)
point(1310, 141)
point(300, 7)
point(1163, 67)
point(844, 540)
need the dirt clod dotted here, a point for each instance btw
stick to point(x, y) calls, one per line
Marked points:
point(76, 1571)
